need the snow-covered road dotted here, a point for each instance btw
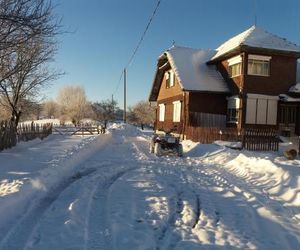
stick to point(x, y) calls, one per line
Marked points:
point(109, 192)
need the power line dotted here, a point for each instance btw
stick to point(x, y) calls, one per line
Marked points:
point(144, 33)
point(138, 45)
point(117, 88)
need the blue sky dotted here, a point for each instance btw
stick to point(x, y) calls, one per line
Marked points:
point(107, 31)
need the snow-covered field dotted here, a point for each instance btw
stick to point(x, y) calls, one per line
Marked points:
point(108, 192)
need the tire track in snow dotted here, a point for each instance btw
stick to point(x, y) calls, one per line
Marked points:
point(198, 211)
point(17, 238)
point(184, 203)
point(248, 190)
point(216, 176)
point(98, 233)
point(167, 238)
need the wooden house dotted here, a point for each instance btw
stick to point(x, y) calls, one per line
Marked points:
point(251, 80)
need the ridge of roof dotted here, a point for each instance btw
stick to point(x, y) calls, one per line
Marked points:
point(258, 38)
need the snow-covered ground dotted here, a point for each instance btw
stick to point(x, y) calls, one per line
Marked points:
point(108, 192)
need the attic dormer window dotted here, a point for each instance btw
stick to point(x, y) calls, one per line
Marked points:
point(235, 66)
point(170, 79)
point(259, 65)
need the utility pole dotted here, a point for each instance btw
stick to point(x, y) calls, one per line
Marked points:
point(124, 112)
point(112, 103)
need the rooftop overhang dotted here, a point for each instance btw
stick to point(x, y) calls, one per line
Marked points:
point(249, 49)
point(162, 65)
point(228, 54)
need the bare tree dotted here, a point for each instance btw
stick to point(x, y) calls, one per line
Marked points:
point(27, 45)
point(131, 116)
point(142, 113)
point(50, 109)
point(73, 103)
point(4, 111)
point(105, 111)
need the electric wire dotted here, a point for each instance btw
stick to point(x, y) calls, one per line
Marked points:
point(138, 45)
point(143, 35)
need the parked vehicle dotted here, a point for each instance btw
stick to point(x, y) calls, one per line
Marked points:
point(166, 144)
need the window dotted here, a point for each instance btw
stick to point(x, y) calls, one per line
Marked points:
point(261, 109)
point(162, 109)
point(176, 111)
point(259, 65)
point(235, 70)
point(232, 115)
point(170, 79)
point(235, 66)
point(233, 105)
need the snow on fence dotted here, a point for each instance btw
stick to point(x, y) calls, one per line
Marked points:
point(252, 138)
point(9, 135)
point(78, 130)
point(27, 132)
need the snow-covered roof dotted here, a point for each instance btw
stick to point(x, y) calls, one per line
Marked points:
point(295, 88)
point(287, 98)
point(257, 38)
point(192, 71)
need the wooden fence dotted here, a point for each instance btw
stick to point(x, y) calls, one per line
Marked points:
point(251, 138)
point(9, 135)
point(260, 139)
point(78, 130)
point(27, 132)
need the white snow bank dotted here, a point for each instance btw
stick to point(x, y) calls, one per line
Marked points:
point(39, 167)
point(272, 172)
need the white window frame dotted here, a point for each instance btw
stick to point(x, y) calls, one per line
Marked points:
point(176, 111)
point(162, 111)
point(170, 79)
point(259, 60)
point(233, 106)
point(235, 65)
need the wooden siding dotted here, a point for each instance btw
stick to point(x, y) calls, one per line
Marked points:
point(282, 76)
point(209, 135)
point(168, 123)
point(207, 103)
point(165, 92)
point(235, 83)
point(198, 119)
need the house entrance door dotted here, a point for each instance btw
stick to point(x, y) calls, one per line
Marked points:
point(287, 119)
